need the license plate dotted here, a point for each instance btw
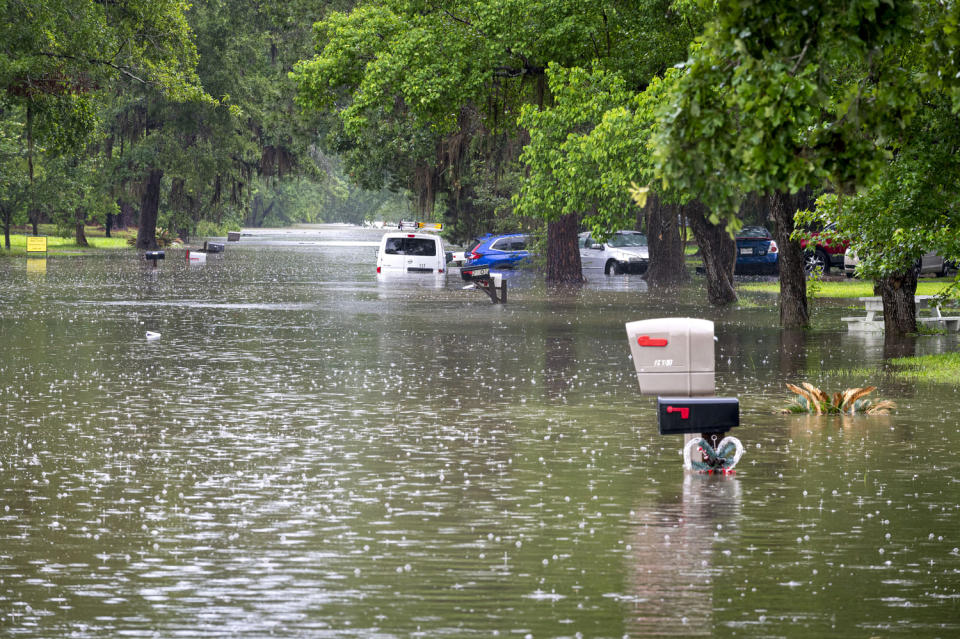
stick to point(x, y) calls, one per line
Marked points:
point(746, 251)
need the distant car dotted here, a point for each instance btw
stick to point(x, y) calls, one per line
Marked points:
point(825, 254)
point(498, 252)
point(623, 252)
point(757, 252)
point(929, 263)
point(403, 252)
point(459, 257)
point(933, 263)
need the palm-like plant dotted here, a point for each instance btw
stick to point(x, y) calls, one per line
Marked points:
point(811, 399)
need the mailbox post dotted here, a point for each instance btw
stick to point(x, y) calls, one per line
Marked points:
point(674, 360)
point(154, 256)
point(490, 283)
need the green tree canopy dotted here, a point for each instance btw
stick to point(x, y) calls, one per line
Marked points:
point(779, 96)
point(914, 205)
point(587, 149)
point(416, 84)
point(59, 56)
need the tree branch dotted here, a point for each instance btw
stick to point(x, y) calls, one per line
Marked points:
point(122, 69)
point(527, 65)
point(802, 55)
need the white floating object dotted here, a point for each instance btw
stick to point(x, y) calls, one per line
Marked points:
point(152, 336)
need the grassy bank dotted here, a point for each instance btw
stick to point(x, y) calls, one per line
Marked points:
point(849, 287)
point(941, 368)
point(96, 236)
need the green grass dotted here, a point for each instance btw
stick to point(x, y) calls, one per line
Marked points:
point(942, 368)
point(67, 246)
point(747, 302)
point(848, 287)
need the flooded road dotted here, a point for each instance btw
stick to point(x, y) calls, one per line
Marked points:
point(308, 451)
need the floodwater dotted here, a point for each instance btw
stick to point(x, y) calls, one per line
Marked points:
point(307, 451)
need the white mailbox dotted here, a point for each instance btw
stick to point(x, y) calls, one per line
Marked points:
point(673, 355)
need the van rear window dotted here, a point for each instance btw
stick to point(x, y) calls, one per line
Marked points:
point(410, 246)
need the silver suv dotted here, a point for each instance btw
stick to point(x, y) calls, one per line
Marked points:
point(623, 252)
point(929, 263)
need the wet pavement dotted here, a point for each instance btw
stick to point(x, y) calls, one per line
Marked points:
point(308, 450)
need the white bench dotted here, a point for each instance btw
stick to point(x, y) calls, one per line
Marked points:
point(874, 322)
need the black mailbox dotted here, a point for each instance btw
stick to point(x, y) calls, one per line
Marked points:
point(213, 247)
point(475, 273)
point(680, 415)
point(153, 255)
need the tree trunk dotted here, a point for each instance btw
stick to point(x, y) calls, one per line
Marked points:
point(266, 212)
point(108, 224)
point(81, 235)
point(899, 307)
point(149, 209)
point(6, 217)
point(667, 260)
point(128, 215)
point(254, 218)
point(32, 212)
point(80, 220)
point(719, 254)
point(793, 280)
point(563, 252)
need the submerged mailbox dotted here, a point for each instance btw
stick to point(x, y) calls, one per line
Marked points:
point(682, 415)
point(673, 355)
point(483, 279)
point(674, 359)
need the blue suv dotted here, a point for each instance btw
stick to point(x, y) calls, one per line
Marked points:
point(497, 252)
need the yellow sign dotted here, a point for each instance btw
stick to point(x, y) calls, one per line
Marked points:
point(430, 226)
point(36, 245)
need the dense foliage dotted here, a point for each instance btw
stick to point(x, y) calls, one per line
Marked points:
point(442, 98)
point(490, 114)
point(102, 102)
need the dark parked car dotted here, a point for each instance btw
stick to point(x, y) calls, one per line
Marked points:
point(757, 252)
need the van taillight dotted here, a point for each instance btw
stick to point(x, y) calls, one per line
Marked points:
point(378, 269)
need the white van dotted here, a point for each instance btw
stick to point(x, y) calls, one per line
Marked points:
point(405, 252)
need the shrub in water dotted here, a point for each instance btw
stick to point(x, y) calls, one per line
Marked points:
point(811, 399)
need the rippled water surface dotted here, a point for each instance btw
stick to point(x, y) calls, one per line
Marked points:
point(307, 451)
